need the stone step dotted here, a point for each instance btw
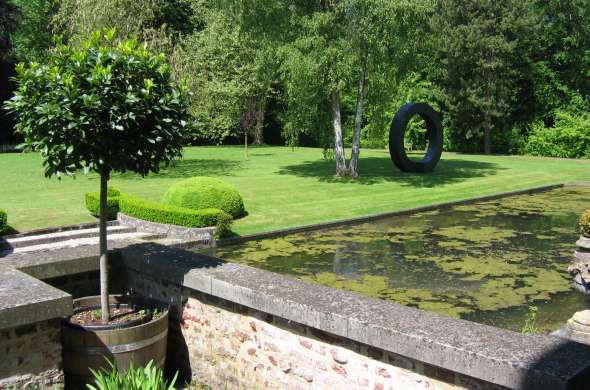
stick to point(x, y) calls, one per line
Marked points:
point(55, 237)
point(72, 243)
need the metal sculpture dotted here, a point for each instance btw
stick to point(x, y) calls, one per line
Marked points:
point(434, 133)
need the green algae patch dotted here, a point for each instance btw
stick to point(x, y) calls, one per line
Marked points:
point(484, 234)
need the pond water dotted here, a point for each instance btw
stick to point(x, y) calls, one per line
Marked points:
point(487, 262)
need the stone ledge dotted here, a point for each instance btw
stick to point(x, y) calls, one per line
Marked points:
point(65, 261)
point(27, 300)
point(204, 235)
point(491, 354)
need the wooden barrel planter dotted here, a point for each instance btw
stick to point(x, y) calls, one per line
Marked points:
point(137, 341)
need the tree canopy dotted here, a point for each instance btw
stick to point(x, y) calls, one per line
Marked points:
point(332, 73)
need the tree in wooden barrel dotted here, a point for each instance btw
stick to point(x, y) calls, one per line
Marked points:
point(104, 107)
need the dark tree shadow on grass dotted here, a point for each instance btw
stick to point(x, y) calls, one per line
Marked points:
point(375, 170)
point(191, 167)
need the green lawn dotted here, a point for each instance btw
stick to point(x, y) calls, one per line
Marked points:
point(282, 188)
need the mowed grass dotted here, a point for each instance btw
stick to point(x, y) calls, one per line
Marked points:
point(282, 187)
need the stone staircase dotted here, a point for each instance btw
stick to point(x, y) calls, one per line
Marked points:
point(69, 237)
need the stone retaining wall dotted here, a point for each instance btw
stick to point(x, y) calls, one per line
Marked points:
point(230, 346)
point(31, 355)
point(234, 326)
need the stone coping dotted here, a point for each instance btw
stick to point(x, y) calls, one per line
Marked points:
point(204, 234)
point(491, 354)
point(64, 261)
point(26, 300)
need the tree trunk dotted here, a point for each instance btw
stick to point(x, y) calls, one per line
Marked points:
point(338, 146)
point(358, 120)
point(104, 271)
point(487, 143)
point(259, 130)
point(246, 143)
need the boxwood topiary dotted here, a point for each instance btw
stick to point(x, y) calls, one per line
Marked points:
point(168, 214)
point(3, 221)
point(92, 200)
point(205, 192)
point(584, 223)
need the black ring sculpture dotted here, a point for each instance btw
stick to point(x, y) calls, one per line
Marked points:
point(434, 133)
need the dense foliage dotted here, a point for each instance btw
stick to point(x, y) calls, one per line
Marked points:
point(205, 192)
point(333, 73)
point(149, 377)
point(569, 136)
point(174, 215)
point(584, 223)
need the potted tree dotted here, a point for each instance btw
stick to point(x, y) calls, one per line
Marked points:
point(105, 107)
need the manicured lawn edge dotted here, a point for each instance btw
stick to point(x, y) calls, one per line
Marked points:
point(406, 211)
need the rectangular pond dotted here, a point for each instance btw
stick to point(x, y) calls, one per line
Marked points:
point(487, 262)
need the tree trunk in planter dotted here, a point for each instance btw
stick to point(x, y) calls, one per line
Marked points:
point(137, 341)
point(104, 264)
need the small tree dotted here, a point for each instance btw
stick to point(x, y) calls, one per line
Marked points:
point(107, 107)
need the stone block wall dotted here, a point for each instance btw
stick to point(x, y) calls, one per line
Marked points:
point(30, 356)
point(227, 345)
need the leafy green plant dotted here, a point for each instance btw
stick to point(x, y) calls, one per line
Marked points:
point(584, 223)
point(95, 314)
point(205, 192)
point(569, 137)
point(149, 377)
point(162, 213)
point(106, 107)
point(530, 323)
point(92, 201)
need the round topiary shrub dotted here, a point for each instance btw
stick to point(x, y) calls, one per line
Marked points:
point(585, 223)
point(204, 193)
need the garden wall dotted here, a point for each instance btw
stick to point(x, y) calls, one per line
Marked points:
point(30, 330)
point(227, 345)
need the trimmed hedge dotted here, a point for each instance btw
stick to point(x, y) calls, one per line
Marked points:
point(3, 221)
point(92, 200)
point(584, 223)
point(161, 213)
point(205, 192)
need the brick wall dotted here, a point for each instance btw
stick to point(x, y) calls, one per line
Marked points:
point(31, 355)
point(226, 345)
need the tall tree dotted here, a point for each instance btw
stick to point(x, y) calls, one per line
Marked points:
point(230, 70)
point(33, 35)
point(483, 50)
